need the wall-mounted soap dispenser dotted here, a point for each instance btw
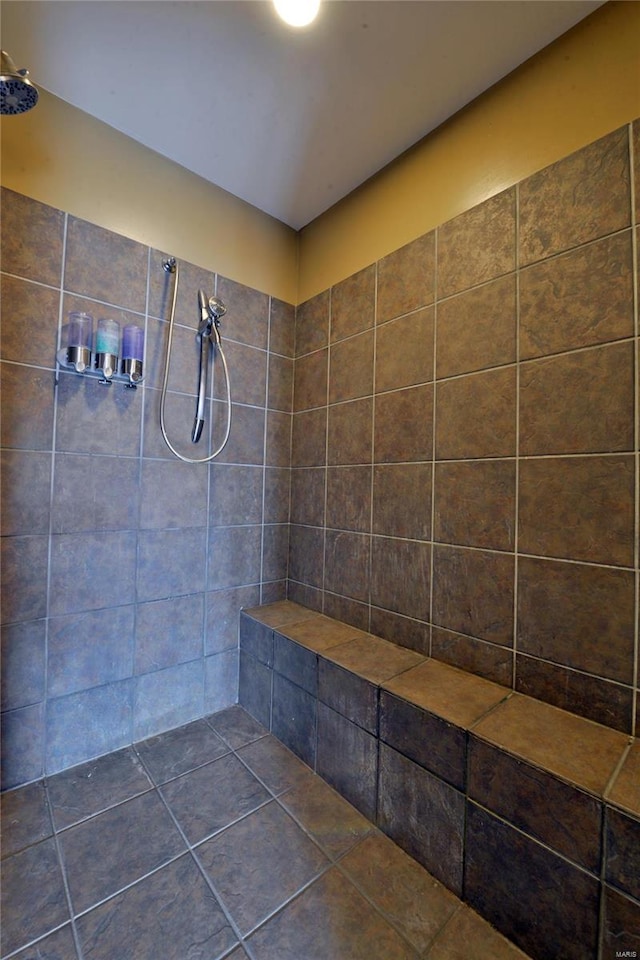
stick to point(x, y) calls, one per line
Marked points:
point(102, 358)
point(107, 347)
point(79, 341)
point(132, 352)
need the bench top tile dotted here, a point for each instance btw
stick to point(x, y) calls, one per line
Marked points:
point(625, 789)
point(580, 751)
point(373, 658)
point(452, 694)
point(280, 612)
point(320, 633)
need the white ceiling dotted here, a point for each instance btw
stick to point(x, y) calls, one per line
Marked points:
point(288, 120)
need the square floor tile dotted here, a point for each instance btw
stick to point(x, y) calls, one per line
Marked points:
point(330, 920)
point(92, 787)
point(24, 816)
point(33, 897)
point(171, 915)
point(177, 751)
point(106, 853)
point(256, 865)
point(332, 822)
point(277, 767)
point(236, 726)
point(57, 946)
point(211, 797)
point(468, 927)
point(408, 897)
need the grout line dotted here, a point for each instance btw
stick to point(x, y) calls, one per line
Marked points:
point(265, 437)
point(436, 235)
point(63, 871)
point(373, 446)
point(326, 452)
point(45, 693)
point(635, 253)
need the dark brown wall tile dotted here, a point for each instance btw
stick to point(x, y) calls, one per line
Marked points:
point(27, 407)
point(312, 324)
point(306, 548)
point(578, 299)
point(247, 317)
point(248, 367)
point(349, 498)
point(29, 332)
point(407, 632)
point(425, 738)
point(293, 718)
point(566, 819)
point(600, 700)
point(533, 896)
point(352, 368)
point(350, 432)
point(622, 851)
point(404, 425)
point(577, 199)
point(475, 656)
point(578, 403)
point(282, 328)
point(106, 266)
point(280, 395)
point(353, 304)
point(423, 815)
point(477, 329)
point(307, 495)
point(356, 780)
point(402, 500)
point(406, 278)
point(346, 562)
point(275, 551)
point(347, 610)
point(246, 440)
point(278, 441)
point(477, 245)
point(310, 380)
point(309, 444)
point(620, 925)
point(473, 593)
point(32, 238)
point(576, 615)
point(475, 503)
point(400, 576)
point(404, 351)
point(578, 507)
point(476, 415)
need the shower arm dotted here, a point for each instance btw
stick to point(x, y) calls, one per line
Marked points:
point(171, 266)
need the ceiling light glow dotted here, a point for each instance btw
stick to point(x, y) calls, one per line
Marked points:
point(297, 13)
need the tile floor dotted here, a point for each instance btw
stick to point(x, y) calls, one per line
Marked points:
point(213, 841)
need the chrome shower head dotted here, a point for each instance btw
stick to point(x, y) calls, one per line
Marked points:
point(217, 308)
point(17, 93)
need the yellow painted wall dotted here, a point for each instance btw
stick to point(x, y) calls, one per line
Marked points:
point(61, 156)
point(579, 88)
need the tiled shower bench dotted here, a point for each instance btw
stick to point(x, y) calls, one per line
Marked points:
point(529, 813)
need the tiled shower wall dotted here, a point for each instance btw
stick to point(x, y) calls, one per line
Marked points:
point(465, 439)
point(123, 569)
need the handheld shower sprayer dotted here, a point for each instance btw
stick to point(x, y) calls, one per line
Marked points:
point(211, 310)
point(209, 333)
